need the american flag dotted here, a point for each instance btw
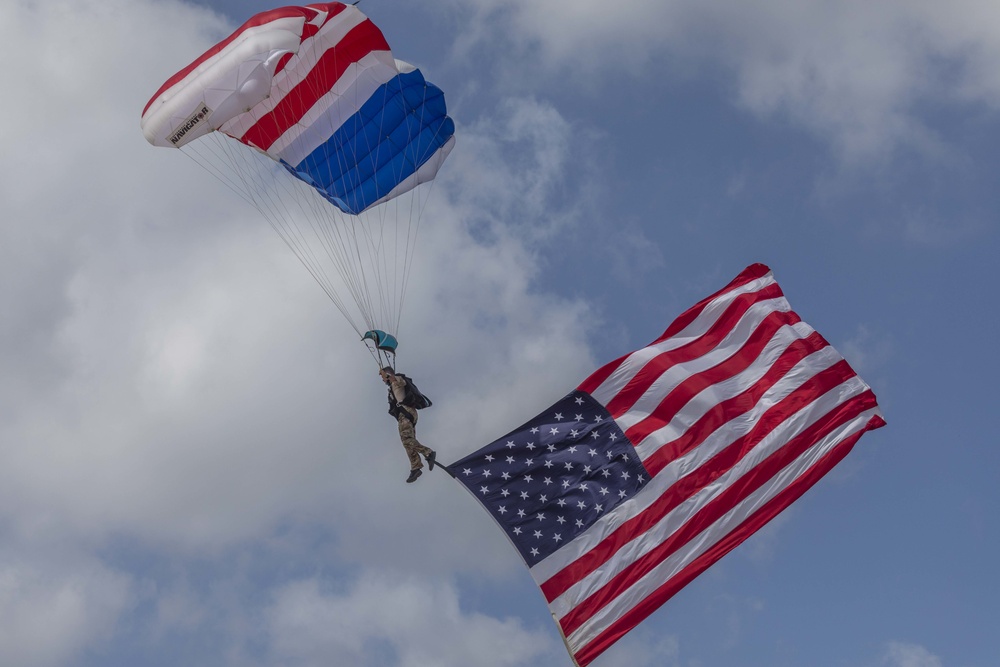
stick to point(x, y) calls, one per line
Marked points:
point(666, 459)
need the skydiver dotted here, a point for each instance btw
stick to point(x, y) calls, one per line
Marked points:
point(404, 400)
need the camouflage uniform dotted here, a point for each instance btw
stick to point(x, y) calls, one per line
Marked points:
point(408, 436)
point(407, 419)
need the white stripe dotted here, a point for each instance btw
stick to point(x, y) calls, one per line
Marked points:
point(228, 56)
point(673, 565)
point(675, 519)
point(306, 58)
point(712, 396)
point(634, 363)
point(217, 78)
point(677, 373)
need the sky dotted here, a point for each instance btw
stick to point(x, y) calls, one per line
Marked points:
point(196, 467)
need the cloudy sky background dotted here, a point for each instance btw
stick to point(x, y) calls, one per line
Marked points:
point(195, 464)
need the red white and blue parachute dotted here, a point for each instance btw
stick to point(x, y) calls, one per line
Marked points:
point(316, 90)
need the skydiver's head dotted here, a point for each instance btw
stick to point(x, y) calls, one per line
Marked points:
point(387, 373)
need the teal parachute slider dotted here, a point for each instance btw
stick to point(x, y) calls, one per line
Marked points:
point(383, 341)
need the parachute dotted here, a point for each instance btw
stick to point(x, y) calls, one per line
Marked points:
point(306, 114)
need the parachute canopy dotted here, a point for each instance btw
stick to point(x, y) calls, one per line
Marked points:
point(305, 112)
point(316, 89)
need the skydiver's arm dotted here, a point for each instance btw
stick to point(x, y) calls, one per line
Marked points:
point(398, 386)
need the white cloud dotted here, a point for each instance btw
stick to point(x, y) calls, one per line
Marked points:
point(855, 74)
point(763, 545)
point(512, 166)
point(387, 619)
point(644, 648)
point(52, 609)
point(901, 654)
point(868, 351)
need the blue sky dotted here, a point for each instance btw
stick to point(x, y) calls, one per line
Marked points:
point(195, 464)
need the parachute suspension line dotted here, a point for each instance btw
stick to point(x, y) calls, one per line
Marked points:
point(321, 220)
point(373, 232)
point(374, 242)
point(394, 304)
point(333, 229)
point(400, 271)
point(411, 241)
point(393, 310)
point(333, 237)
point(192, 153)
point(385, 268)
point(414, 228)
point(317, 230)
point(386, 360)
point(247, 175)
point(348, 256)
point(276, 197)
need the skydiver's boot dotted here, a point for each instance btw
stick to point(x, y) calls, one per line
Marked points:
point(413, 476)
point(430, 459)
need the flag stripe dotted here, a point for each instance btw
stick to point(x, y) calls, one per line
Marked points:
point(360, 41)
point(666, 510)
point(713, 511)
point(627, 621)
point(751, 274)
point(804, 344)
point(725, 411)
point(675, 397)
point(626, 396)
point(700, 355)
point(660, 484)
point(783, 418)
point(604, 382)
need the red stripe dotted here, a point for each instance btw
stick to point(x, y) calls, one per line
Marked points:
point(727, 410)
point(359, 42)
point(597, 378)
point(648, 374)
point(755, 522)
point(724, 370)
point(716, 509)
point(257, 20)
point(749, 274)
point(690, 484)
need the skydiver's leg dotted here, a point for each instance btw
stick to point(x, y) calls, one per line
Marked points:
point(408, 436)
